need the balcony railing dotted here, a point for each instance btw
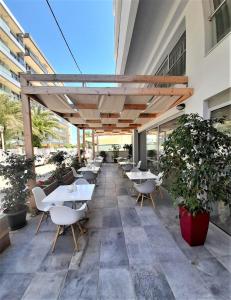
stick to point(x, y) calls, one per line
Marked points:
point(14, 78)
point(36, 60)
point(11, 54)
point(6, 28)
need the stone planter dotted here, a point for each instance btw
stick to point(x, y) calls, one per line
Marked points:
point(4, 233)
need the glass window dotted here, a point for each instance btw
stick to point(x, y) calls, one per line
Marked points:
point(152, 149)
point(220, 18)
point(221, 214)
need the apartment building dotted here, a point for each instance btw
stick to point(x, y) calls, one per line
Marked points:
point(20, 53)
point(177, 37)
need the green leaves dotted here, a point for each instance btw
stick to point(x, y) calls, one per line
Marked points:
point(17, 170)
point(199, 156)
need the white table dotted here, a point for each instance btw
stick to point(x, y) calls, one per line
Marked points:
point(141, 175)
point(83, 193)
point(123, 163)
point(93, 169)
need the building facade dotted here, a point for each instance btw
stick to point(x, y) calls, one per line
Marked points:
point(19, 53)
point(177, 37)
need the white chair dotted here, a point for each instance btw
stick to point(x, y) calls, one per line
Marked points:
point(89, 176)
point(75, 174)
point(66, 216)
point(159, 182)
point(144, 189)
point(139, 164)
point(81, 181)
point(39, 195)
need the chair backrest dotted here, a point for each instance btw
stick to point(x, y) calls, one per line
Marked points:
point(135, 169)
point(127, 168)
point(39, 195)
point(96, 163)
point(139, 164)
point(74, 172)
point(148, 186)
point(81, 181)
point(89, 175)
point(63, 215)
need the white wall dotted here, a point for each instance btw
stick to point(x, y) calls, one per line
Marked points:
point(208, 72)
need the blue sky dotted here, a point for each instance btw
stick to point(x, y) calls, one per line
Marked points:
point(87, 24)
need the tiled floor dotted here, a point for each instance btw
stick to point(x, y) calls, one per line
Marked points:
point(132, 253)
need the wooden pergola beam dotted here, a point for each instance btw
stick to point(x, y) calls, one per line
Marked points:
point(105, 78)
point(86, 106)
point(93, 121)
point(109, 91)
point(109, 115)
point(147, 115)
point(135, 106)
point(68, 115)
point(125, 121)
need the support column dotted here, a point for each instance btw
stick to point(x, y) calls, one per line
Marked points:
point(97, 141)
point(135, 146)
point(29, 150)
point(84, 143)
point(93, 144)
point(78, 143)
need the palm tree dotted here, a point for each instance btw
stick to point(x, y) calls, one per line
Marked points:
point(44, 124)
point(10, 117)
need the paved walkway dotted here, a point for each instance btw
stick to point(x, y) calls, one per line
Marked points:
point(132, 253)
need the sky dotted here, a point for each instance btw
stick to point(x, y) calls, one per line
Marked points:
point(88, 26)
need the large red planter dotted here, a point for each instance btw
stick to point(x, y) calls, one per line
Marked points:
point(193, 228)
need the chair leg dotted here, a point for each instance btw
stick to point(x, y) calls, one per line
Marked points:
point(40, 222)
point(138, 197)
point(82, 231)
point(74, 238)
point(161, 192)
point(153, 203)
point(142, 201)
point(55, 239)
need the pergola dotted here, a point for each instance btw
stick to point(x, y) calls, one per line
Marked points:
point(130, 103)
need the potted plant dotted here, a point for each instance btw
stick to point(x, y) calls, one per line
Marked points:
point(17, 170)
point(200, 157)
point(104, 155)
point(115, 149)
point(129, 148)
point(58, 159)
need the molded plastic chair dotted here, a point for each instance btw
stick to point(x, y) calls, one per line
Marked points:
point(75, 174)
point(39, 195)
point(66, 216)
point(139, 164)
point(159, 182)
point(97, 164)
point(81, 181)
point(89, 176)
point(144, 189)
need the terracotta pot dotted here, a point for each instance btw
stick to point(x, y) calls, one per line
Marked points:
point(193, 228)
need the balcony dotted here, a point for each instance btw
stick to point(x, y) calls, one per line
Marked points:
point(7, 56)
point(9, 80)
point(10, 38)
point(33, 61)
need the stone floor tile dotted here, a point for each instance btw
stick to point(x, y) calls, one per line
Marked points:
point(150, 283)
point(113, 252)
point(125, 201)
point(111, 217)
point(80, 285)
point(45, 286)
point(185, 281)
point(13, 286)
point(115, 284)
point(129, 217)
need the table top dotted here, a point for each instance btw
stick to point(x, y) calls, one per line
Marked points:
point(92, 169)
point(122, 163)
point(141, 175)
point(83, 192)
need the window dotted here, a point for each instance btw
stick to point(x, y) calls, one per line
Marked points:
point(175, 62)
point(220, 19)
point(221, 214)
